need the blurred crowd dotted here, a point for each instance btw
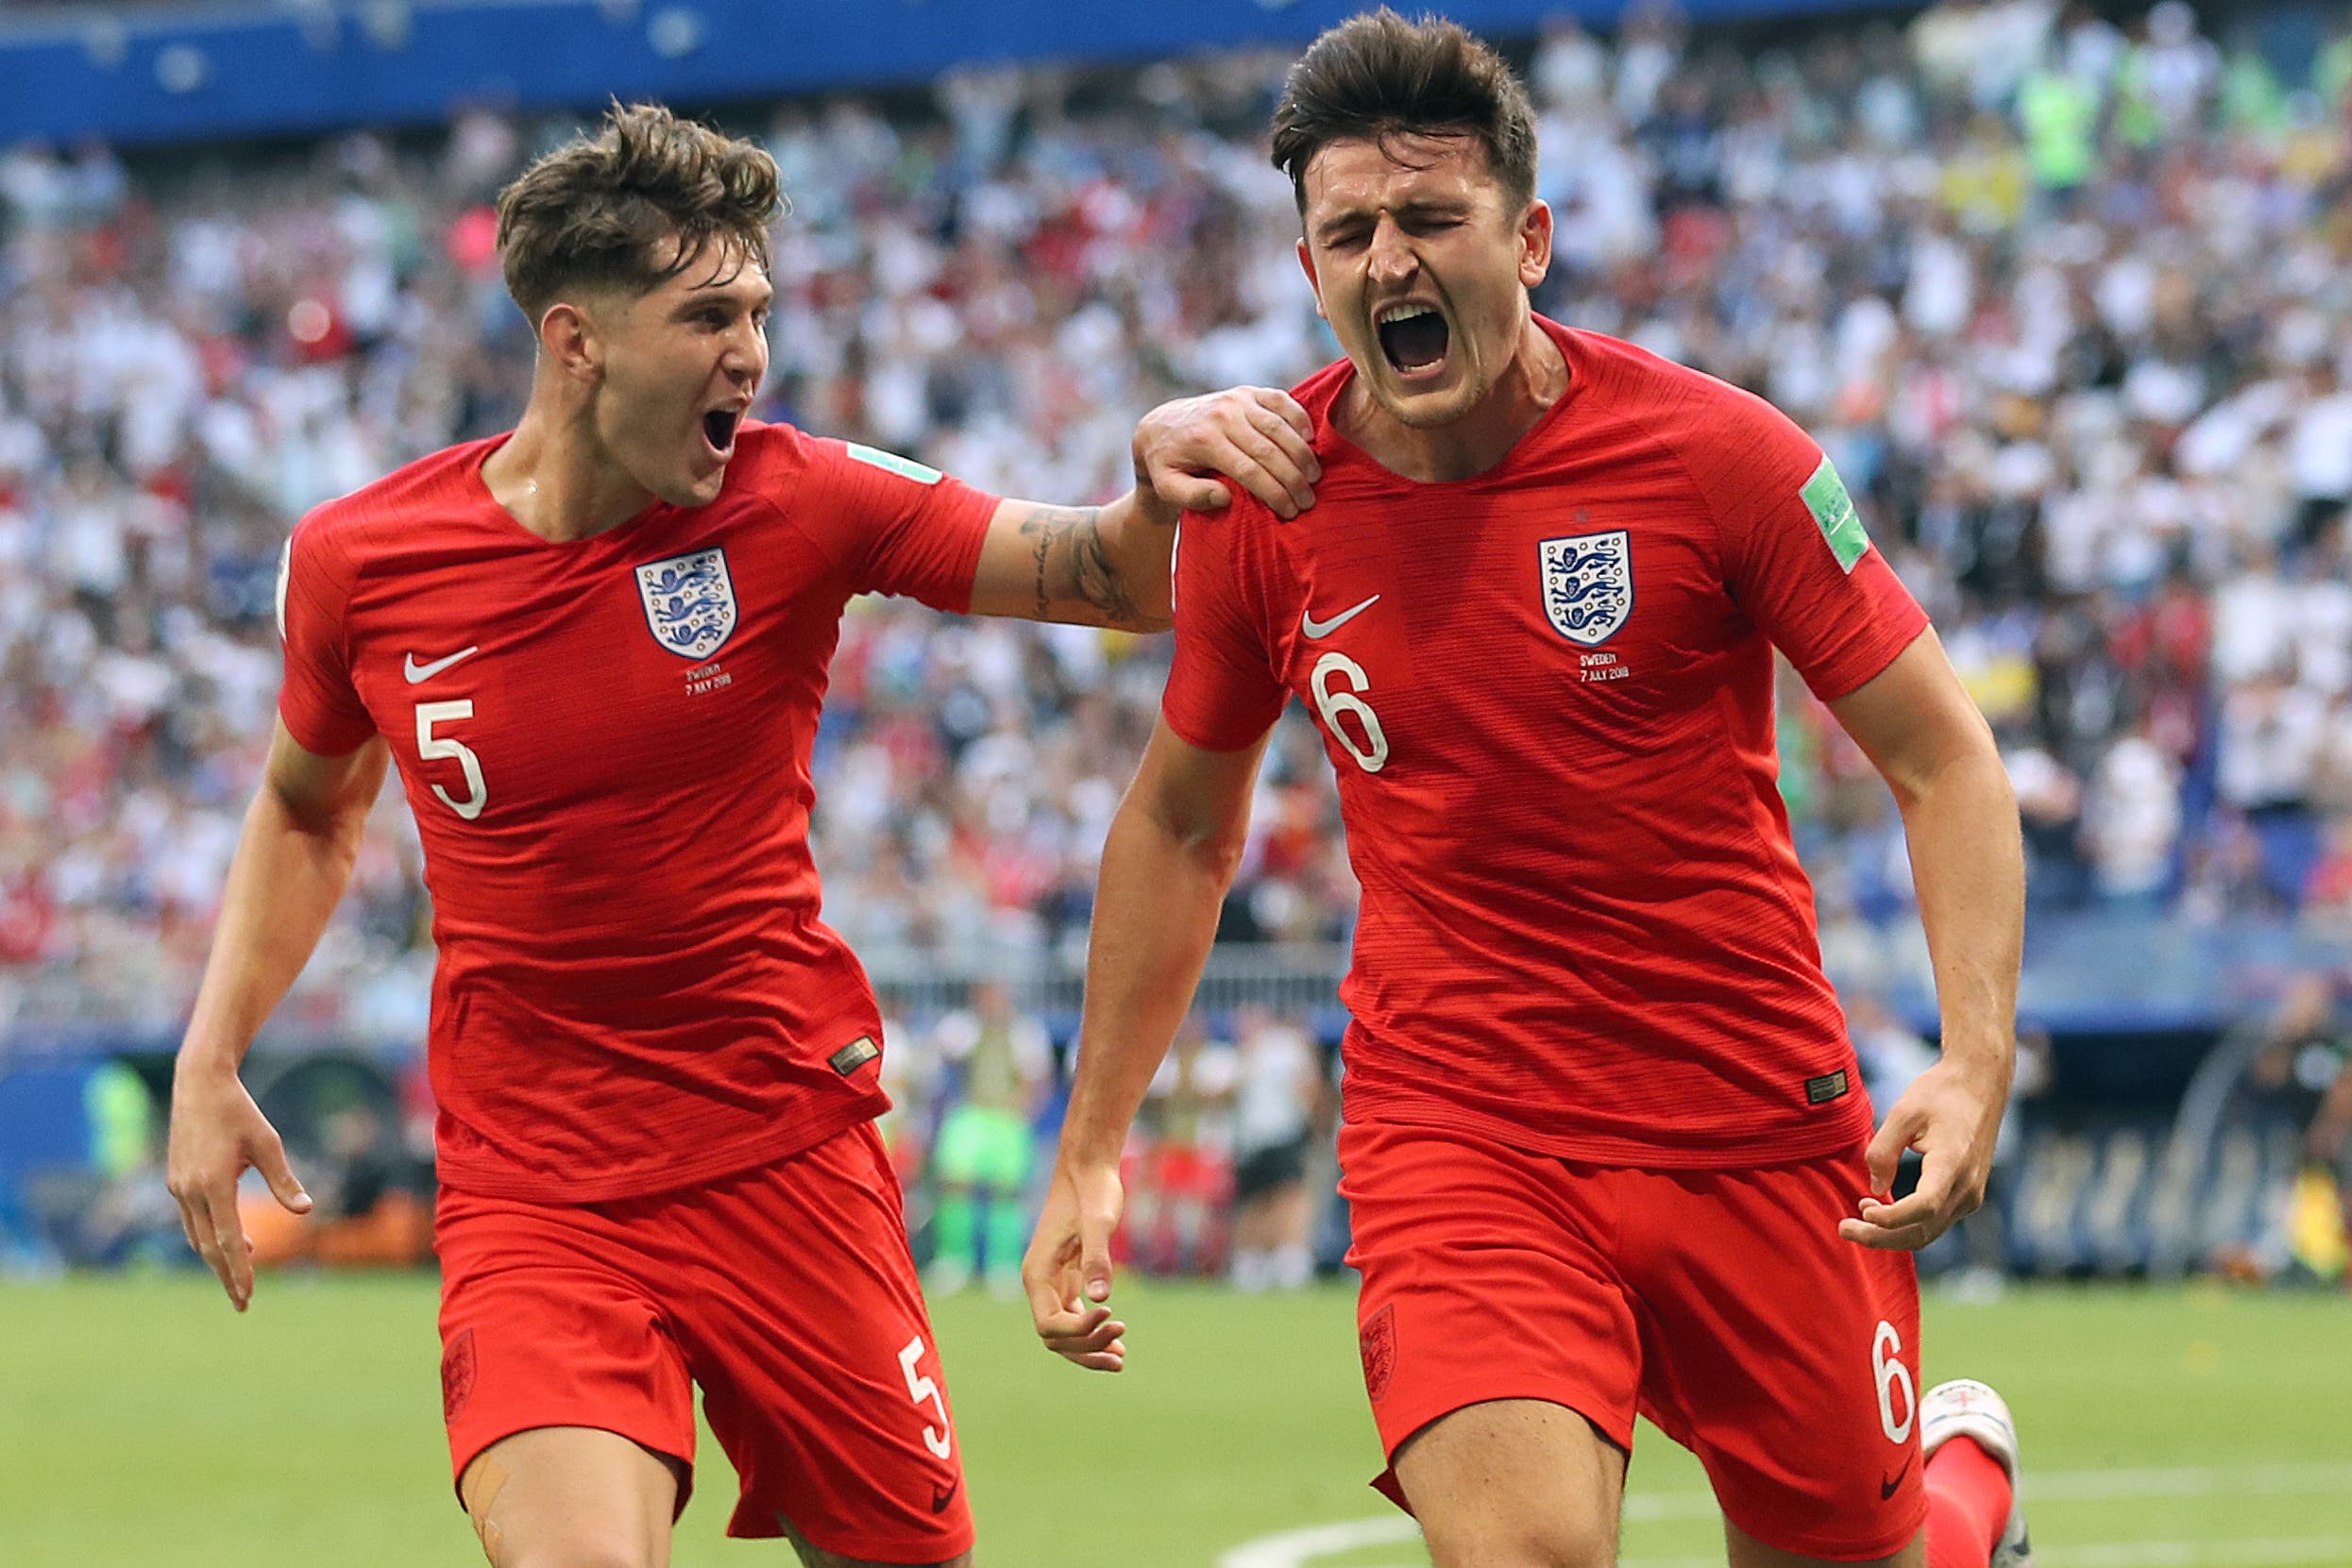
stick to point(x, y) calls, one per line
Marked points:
point(2068, 296)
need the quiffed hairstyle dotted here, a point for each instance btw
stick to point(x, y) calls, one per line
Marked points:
point(1378, 75)
point(599, 211)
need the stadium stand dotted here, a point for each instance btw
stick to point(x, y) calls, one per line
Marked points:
point(2068, 300)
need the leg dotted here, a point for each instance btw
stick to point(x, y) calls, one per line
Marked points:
point(956, 1166)
point(955, 1232)
point(1745, 1551)
point(1007, 1233)
point(1974, 1516)
point(569, 1412)
point(1971, 1471)
point(1514, 1483)
point(1784, 1357)
point(813, 1557)
point(1294, 1264)
point(570, 1497)
point(801, 1320)
point(1499, 1347)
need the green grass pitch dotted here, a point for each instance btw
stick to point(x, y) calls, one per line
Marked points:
point(143, 1424)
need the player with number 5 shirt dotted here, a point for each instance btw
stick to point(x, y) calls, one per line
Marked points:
point(596, 648)
point(1605, 1143)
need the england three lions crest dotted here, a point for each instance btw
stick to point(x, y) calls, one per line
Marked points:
point(1588, 586)
point(689, 602)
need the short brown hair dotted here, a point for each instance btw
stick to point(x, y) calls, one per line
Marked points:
point(595, 211)
point(1379, 76)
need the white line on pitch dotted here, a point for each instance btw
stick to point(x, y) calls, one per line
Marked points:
point(2293, 1552)
point(1300, 1548)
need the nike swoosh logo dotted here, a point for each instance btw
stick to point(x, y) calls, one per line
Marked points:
point(942, 1495)
point(1315, 628)
point(416, 672)
point(1886, 1488)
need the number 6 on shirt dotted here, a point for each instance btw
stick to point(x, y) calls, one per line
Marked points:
point(431, 746)
point(1373, 755)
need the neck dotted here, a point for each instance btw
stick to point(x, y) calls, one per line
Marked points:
point(1532, 380)
point(552, 476)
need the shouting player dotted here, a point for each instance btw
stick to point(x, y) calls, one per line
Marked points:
point(596, 649)
point(1604, 1139)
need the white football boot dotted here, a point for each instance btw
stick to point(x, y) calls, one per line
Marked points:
point(1966, 1408)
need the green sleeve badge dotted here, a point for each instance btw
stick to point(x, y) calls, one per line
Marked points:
point(906, 469)
point(1832, 511)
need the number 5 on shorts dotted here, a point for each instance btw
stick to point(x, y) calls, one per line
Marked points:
point(1885, 1367)
point(919, 1387)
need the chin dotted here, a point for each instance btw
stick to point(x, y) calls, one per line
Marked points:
point(1423, 408)
point(700, 490)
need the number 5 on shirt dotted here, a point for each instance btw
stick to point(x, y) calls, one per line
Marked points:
point(432, 746)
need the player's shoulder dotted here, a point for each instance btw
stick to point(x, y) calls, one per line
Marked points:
point(1721, 434)
point(770, 452)
point(1251, 521)
point(1675, 400)
point(384, 510)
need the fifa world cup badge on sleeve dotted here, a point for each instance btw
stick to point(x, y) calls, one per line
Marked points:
point(1833, 513)
point(689, 601)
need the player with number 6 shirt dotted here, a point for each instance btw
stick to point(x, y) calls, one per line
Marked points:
point(596, 648)
point(1605, 1143)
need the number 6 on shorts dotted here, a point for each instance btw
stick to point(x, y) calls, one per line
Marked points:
point(1885, 1367)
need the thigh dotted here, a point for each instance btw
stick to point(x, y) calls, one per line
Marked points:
point(1784, 1357)
point(544, 1322)
point(816, 1557)
point(801, 1320)
point(1484, 1278)
point(570, 1494)
point(1514, 1481)
point(1742, 1550)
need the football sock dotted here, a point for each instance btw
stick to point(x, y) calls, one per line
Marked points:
point(1967, 1505)
point(959, 1232)
point(1008, 1233)
point(1292, 1267)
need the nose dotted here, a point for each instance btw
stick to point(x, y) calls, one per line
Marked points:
point(747, 351)
point(1390, 257)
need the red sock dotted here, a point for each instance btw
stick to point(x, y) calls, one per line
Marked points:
point(1967, 1505)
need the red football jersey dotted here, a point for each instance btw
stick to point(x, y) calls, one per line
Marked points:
point(1547, 693)
point(606, 745)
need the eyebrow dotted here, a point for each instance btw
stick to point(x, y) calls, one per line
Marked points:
point(697, 297)
point(1418, 206)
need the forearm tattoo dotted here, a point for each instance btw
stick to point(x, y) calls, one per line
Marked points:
point(1075, 564)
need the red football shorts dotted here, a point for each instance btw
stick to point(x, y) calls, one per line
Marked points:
point(1719, 1304)
point(787, 1292)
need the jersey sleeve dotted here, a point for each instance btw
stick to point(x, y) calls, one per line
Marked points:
point(896, 526)
point(1795, 555)
point(1222, 692)
point(320, 705)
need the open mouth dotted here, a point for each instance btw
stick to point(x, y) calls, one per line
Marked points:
point(1413, 337)
point(718, 428)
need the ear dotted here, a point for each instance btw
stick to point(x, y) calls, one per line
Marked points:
point(570, 340)
point(1306, 266)
point(1535, 242)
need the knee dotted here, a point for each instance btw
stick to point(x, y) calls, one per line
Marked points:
point(571, 1552)
point(1507, 1544)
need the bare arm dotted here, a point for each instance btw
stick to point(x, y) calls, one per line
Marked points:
point(1927, 738)
point(301, 836)
point(1108, 565)
point(1173, 851)
point(1083, 566)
